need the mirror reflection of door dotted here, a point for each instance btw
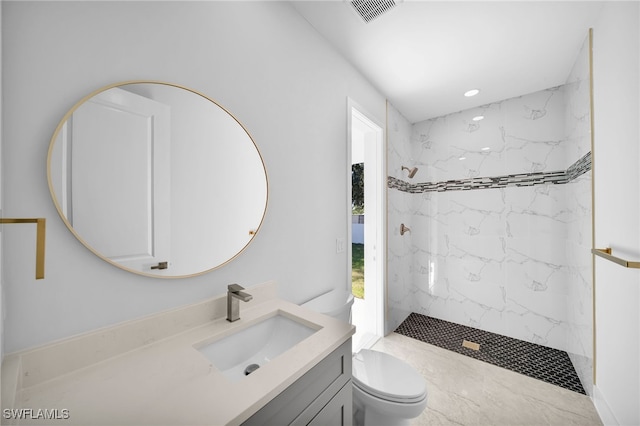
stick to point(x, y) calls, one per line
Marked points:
point(146, 172)
point(117, 190)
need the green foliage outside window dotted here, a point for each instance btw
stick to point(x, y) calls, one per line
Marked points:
point(357, 188)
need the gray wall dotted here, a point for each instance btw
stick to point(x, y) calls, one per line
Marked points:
point(260, 60)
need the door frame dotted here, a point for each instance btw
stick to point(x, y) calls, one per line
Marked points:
point(381, 213)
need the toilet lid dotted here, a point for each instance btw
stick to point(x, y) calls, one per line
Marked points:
point(387, 377)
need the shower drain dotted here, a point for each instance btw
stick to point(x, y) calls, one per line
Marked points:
point(471, 345)
point(250, 369)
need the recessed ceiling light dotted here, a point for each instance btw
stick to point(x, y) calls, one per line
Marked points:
point(462, 158)
point(478, 118)
point(486, 148)
point(472, 92)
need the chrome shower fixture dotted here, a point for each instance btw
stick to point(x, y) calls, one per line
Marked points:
point(412, 172)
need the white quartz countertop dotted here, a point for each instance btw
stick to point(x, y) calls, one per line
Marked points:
point(169, 382)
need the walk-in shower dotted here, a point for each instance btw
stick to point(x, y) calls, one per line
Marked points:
point(501, 219)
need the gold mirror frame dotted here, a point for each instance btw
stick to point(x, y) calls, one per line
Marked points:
point(69, 114)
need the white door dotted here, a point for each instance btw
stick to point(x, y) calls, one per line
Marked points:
point(120, 178)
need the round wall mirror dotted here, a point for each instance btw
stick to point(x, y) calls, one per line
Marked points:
point(157, 179)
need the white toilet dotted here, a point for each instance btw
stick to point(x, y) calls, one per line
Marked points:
point(386, 390)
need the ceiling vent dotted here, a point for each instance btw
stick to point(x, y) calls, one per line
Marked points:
point(371, 9)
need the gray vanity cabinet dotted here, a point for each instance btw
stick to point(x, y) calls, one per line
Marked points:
point(323, 396)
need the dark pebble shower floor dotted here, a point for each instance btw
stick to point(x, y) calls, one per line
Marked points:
point(536, 361)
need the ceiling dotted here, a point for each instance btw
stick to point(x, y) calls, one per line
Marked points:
point(423, 55)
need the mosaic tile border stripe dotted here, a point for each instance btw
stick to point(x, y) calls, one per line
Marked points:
point(577, 169)
point(539, 362)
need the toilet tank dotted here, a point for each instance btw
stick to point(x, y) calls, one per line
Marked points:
point(336, 303)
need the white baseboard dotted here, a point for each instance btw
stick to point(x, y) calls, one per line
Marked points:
point(605, 413)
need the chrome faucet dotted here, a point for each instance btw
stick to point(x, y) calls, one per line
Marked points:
point(234, 295)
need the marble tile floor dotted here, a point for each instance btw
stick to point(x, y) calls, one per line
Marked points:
point(466, 391)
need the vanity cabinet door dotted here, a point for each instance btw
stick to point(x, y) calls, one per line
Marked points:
point(339, 411)
point(306, 400)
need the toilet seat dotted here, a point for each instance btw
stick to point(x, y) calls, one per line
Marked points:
point(388, 378)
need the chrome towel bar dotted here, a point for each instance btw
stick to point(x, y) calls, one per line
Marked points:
point(606, 254)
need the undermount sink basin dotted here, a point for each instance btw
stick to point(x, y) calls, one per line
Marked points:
point(254, 346)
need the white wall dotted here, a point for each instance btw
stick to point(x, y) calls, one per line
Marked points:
point(617, 210)
point(261, 61)
point(2, 309)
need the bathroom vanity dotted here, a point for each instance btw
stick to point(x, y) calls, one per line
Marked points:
point(157, 370)
point(321, 397)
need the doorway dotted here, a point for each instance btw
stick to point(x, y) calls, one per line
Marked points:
point(366, 226)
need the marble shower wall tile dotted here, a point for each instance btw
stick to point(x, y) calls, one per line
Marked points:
point(534, 131)
point(496, 259)
point(399, 150)
point(480, 259)
point(579, 241)
point(519, 135)
point(399, 210)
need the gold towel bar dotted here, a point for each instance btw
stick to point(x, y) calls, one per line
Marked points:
point(40, 236)
point(606, 254)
